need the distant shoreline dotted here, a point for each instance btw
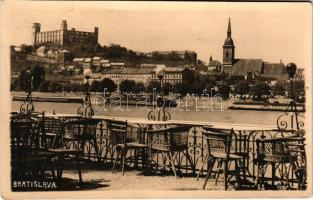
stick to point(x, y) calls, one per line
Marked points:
point(59, 97)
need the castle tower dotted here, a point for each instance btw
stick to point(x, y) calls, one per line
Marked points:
point(228, 48)
point(36, 29)
point(64, 39)
point(64, 25)
point(96, 33)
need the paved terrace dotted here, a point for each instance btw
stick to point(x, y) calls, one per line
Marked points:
point(100, 178)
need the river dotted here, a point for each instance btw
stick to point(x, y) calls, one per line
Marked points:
point(216, 115)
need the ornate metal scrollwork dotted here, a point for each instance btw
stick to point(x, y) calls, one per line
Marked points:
point(159, 112)
point(159, 115)
point(27, 106)
point(86, 109)
point(290, 121)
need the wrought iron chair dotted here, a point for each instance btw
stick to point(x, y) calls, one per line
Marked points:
point(87, 136)
point(123, 138)
point(282, 154)
point(296, 151)
point(27, 159)
point(58, 142)
point(169, 141)
point(219, 144)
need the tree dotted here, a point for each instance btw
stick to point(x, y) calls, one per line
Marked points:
point(152, 85)
point(299, 89)
point(279, 89)
point(201, 81)
point(38, 76)
point(181, 88)
point(13, 85)
point(224, 91)
point(127, 85)
point(209, 87)
point(189, 76)
point(138, 87)
point(167, 88)
point(21, 79)
point(236, 79)
point(55, 87)
point(242, 88)
point(44, 86)
point(76, 87)
point(260, 89)
point(109, 84)
point(95, 86)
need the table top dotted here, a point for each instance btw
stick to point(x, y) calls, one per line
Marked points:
point(63, 115)
point(144, 121)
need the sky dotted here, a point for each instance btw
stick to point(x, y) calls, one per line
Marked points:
point(271, 31)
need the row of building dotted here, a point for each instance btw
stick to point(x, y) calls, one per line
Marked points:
point(144, 74)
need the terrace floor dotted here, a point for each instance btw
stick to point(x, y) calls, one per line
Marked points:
point(101, 178)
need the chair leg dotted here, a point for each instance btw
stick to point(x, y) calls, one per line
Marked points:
point(226, 173)
point(116, 159)
point(210, 168)
point(190, 161)
point(79, 168)
point(171, 160)
point(144, 158)
point(124, 152)
point(219, 166)
point(164, 159)
point(52, 169)
point(202, 165)
point(60, 166)
point(107, 149)
point(96, 149)
point(273, 174)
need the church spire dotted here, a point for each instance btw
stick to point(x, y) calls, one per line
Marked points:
point(228, 48)
point(229, 28)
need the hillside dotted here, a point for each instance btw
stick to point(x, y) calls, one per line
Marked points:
point(115, 53)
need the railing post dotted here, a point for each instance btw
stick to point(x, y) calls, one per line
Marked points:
point(194, 149)
point(100, 141)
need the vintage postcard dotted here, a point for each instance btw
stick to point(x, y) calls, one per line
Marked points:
point(156, 99)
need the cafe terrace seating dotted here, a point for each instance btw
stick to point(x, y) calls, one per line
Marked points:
point(282, 155)
point(219, 143)
point(123, 138)
point(267, 158)
point(57, 134)
point(28, 160)
point(169, 142)
point(53, 130)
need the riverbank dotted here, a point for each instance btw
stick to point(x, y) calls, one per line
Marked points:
point(265, 107)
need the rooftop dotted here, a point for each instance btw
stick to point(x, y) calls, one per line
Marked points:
point(244, 66)
point(274, 68)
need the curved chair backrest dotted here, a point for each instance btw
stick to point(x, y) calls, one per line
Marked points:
point(179, 136)
point(172, 139)
point(52, 132)
point(24, 131)
point(117, 132)
point(218, 140)
point(273, 149)
point(81, 129)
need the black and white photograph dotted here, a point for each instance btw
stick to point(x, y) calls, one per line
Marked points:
point(156, 99)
